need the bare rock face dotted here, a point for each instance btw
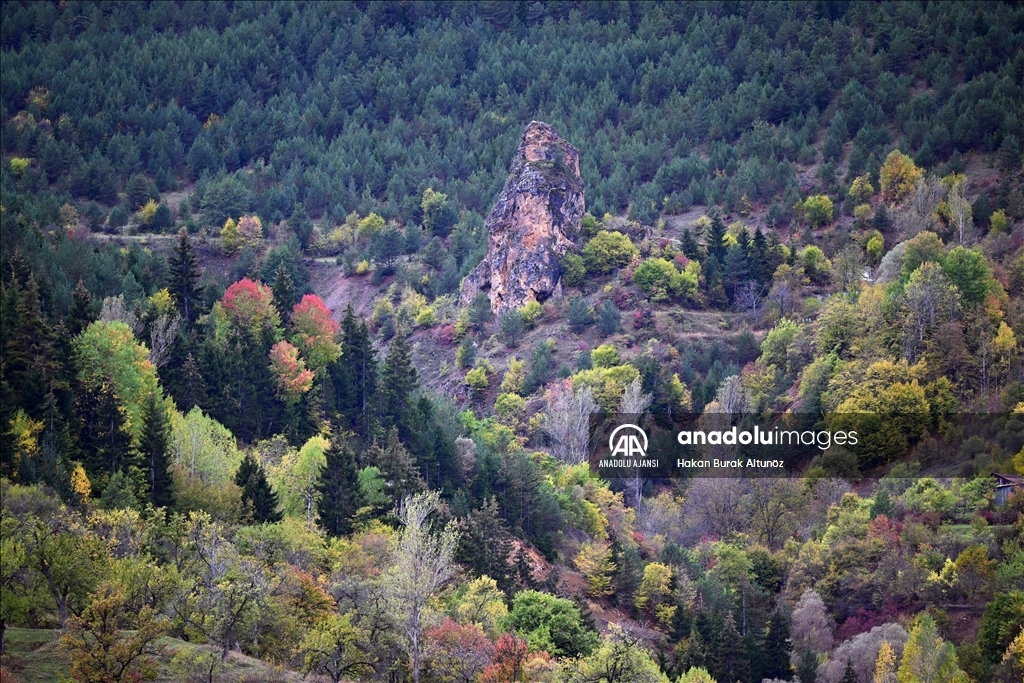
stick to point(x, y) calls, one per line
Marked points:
point(532, 225)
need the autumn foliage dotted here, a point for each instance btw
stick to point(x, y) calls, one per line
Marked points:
point(314, 332)
point(293, 378)
point(250, 306)
point(250, 229)
point(511, 661)
point(457, 652)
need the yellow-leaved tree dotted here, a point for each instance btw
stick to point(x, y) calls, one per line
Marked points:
point(927, 658)
point(898, 176)
point(229, 236)
point(595, 562)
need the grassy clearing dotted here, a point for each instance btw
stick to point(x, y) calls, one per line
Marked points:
point(32, 656)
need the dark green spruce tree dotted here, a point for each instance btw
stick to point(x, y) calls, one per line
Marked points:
point(338, 486)
point(30, 358)
point(849, 675)
point(256, 492)
point(398, 381)
point(354, 376)
point(777, 646)
point(153, 449)
point(731, 662)
point(284, 292)
point(82, 312)
point(185, 278)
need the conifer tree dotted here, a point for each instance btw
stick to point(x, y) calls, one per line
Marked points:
point(777, 646)
point(757, 257)
point(31, 365)
point(256, 491)
point(284, 291)
point(689, 245)
point(153, 448)
point(82, 311)
point(849, 676)
point(713, 238)
point(807, 666)
point(193, 386)
point(184, 277)
point(355, 374)
point(338, 486)
point(396, 466)
point(105, 442)
point(398, 380)
point(731, 663)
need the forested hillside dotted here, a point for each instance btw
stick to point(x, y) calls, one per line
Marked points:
point(248, 430)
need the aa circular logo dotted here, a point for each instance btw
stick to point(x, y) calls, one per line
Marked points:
point(628, 441)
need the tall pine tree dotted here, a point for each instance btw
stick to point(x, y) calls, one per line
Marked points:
point(31, 368)
point(284, 292)
point(338, 486)
point(153, 449)
point(777, 646)
point(398, 381)
point(731, 662)
point(257, 495)
point(82, 311)
point(184, 278)
point(354, 375)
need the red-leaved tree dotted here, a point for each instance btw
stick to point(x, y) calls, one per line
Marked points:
point(457, 652)
point(250, 305)
point(293, 379)
point(314, 333)
point(510, 655)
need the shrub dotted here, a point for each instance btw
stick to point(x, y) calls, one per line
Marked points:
point(861, 190)
point(118, 217)
point(511, 328)
point(480, 311)
point(579, 315)
point(605, 356)
point(608, 250)
point(515, 376)
point(510, 408)
point(476, 380)
point(466, 353)
point(819, 210)
point(574, 272)
point(660, 279)
point(531, 313)
point(608, 318)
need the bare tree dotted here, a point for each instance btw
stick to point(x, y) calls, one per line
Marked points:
point(634, 402)
point(732, 397)
point(812, 626)
point(567, 421)
point(960, 210)
point(115, 308)
point(749, 299)
point(161, 337)
point(862, 653)
point(716, 506)
point(422, 564)
point(930, 300)
point(919, 212)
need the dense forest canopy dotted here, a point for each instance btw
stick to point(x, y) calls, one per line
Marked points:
point(250, 430)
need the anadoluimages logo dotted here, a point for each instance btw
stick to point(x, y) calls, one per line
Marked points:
point(628, 444)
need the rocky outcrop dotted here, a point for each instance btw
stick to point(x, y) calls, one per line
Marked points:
point(534, 222)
